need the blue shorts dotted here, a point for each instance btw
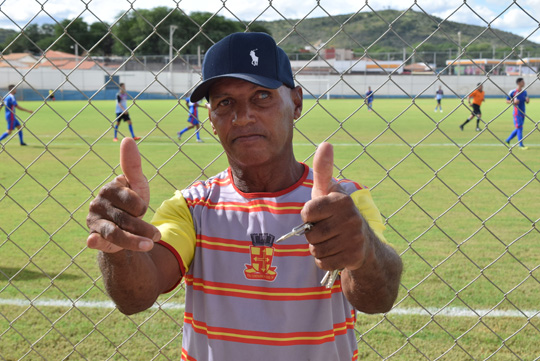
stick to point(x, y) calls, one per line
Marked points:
point(12, 123)
point(193, 120)
point(518, 121)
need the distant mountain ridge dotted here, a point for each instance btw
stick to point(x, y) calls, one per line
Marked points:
point(385, 34)
point(408, 30)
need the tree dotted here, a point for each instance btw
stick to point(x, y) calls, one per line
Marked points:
point(147, 31)
point(47, 36)
point(25, 41)
point(71, 33)
point(100, 40)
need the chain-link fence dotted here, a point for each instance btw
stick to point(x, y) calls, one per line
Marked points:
point(460, 205)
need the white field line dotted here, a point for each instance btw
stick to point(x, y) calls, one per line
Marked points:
point(447, 312)
point(212, 143)
point(463, 312)
point(78, 304)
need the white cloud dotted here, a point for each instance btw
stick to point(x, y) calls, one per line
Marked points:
point(19, 18)
point(519, 22)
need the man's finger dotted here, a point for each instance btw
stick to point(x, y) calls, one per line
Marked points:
point(130, 161)
point(323, 166)
point(130, 242)
point(109, 220)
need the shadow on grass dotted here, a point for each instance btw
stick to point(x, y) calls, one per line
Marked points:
point(16, 274)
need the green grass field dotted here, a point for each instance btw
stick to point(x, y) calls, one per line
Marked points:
point(461, 209)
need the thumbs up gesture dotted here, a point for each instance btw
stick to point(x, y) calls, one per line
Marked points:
point(115, 216)
point(337, 238)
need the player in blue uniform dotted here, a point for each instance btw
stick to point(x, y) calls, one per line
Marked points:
point(518, 97)
point(12, 122)
point(438, 97)
point(193, 119)
point(122, 113)
point(369, 99)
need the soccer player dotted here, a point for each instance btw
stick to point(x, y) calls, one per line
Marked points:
point(12, 122)
point(369, 99)
point(518, 97)
point(478, 97)
point(50, 96)
point(122, 113)
point(438, 96)
point(193, 119)
point(246, 296)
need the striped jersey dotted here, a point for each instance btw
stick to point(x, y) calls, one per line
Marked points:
point(193, 109)
point(519, 109)
point(10, 103)
point(121, 99)
point(248, 298)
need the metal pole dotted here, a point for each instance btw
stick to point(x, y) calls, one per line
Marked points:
point(172, 28)
point(459, 57)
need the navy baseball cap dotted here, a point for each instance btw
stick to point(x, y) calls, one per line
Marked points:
point(253, 57)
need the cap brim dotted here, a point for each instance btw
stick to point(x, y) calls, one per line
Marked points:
point(201, 91)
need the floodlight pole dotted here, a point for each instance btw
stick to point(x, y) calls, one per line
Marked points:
point(172, 28)
point(459, 56)
point(76, 48)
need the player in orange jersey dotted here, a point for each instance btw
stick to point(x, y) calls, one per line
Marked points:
point(477, 97)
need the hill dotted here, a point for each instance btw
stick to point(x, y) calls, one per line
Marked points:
point(392, 31)
point(386, 34)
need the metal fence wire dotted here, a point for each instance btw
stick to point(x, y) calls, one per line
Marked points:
point(471, 271)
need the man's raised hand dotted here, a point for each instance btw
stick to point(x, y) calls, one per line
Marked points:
point(336, 240)
point(115, 216)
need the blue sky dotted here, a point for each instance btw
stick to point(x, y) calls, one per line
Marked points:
point(505, 15)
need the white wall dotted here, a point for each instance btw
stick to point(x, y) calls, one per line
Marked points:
point(92, 80)
point(347, 85)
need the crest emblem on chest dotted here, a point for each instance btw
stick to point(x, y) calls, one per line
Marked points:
point(261, 255)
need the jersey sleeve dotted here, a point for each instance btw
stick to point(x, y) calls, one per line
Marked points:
point(510, 95)
point(364, 202)
point(11, 103)
point(174, 221)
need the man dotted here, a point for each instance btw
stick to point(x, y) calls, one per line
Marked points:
point(193, 119)
point(438, 97)
point(246, 296)
point(518, 97)
point(122, 113)
point(478, 97)
point(12, 122)
point(369, 99)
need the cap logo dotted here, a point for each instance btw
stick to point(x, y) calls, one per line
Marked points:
point(254, 58)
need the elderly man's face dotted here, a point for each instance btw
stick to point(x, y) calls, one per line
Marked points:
point(254, 124)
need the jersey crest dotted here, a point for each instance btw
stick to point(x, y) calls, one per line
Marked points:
point(261, 255)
